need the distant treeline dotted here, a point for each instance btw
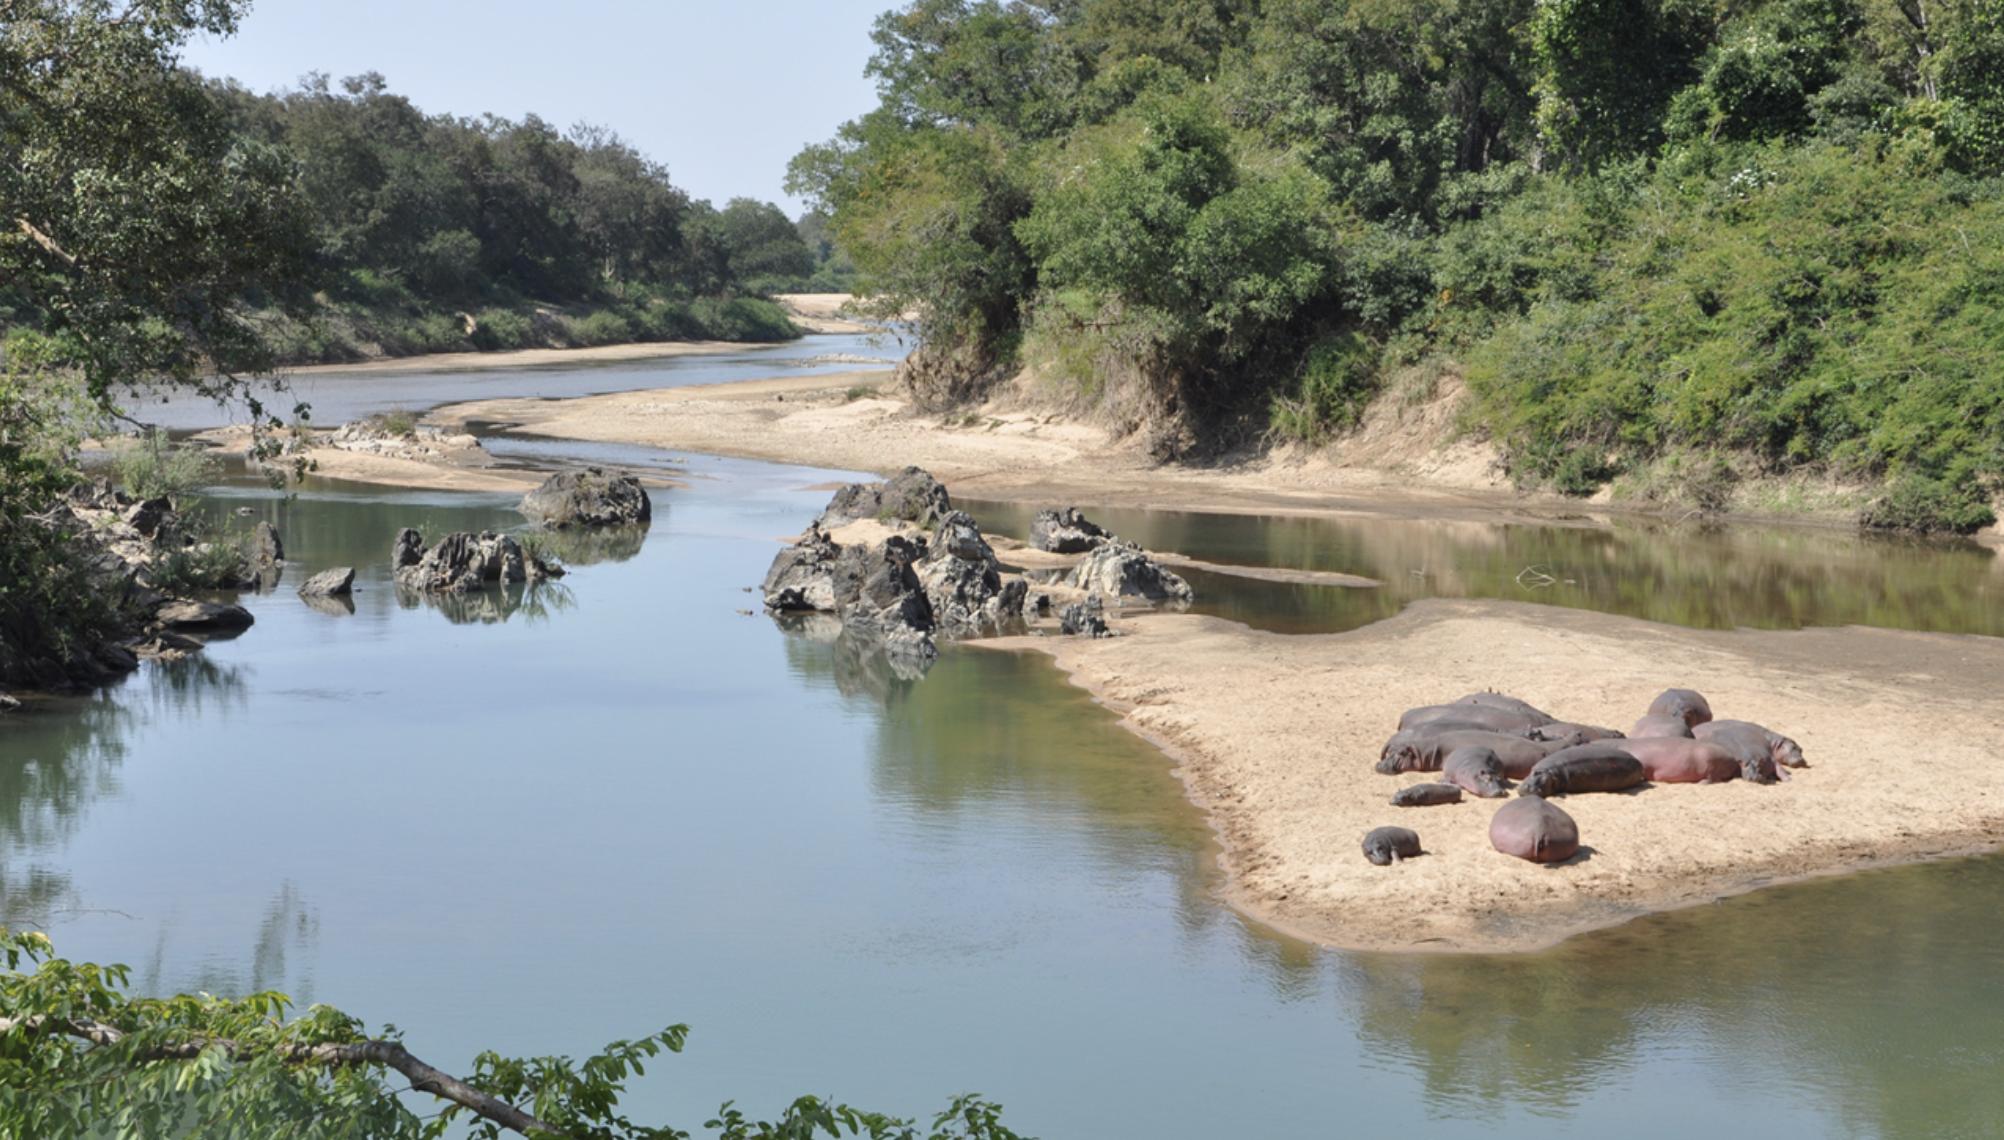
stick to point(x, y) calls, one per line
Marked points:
point(1677, 241)
point(439, 233)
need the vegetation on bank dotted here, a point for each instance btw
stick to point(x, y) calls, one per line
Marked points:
point(1753, 239)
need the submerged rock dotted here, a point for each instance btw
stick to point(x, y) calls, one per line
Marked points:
point(590, 497)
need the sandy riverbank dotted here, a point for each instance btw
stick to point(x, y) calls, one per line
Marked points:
point(1275, 737)
point(522, 358)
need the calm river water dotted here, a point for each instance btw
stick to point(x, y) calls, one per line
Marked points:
point(544, 820)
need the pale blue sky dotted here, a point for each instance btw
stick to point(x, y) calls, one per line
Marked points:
point(722, 93)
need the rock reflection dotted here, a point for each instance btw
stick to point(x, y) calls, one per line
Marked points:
point(533, 601)
point(820, 647)
point(588, 546)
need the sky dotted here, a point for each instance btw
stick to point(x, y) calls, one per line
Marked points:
point(722, 93)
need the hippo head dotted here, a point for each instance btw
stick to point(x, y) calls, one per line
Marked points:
point(1489, 786)
point(1534, 784)
point(1787, 753)
point(1380, 852)
point(1403, 758)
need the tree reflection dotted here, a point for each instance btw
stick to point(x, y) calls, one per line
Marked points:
point(280, 956)
point(55, 761)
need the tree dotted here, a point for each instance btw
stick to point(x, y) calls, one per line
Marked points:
point(80, 1057)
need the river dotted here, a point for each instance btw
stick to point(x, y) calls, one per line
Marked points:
point(555, 817)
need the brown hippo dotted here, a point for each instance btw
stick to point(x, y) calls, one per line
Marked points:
point(1533, 828)
point(1685, 703)
point(1503, 720)
point(1660, 724)
point(1499, 701)
point(1559, 729)
point(1427, 795)
point(1680, 759)
point(1387, 845)
point(1786, 752)
point(1475, 768)
point(1582, 768)
point(1755, 747)
point(1425, 754)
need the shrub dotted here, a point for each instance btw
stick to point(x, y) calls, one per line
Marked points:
point(159, 468)
point(1916, 504)
point(1338, 379)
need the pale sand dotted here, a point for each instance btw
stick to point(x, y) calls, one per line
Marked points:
point(521, 358)
point(823, 313)
point(1276, 736)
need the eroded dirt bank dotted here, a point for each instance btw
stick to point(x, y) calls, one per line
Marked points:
point(1276, 736)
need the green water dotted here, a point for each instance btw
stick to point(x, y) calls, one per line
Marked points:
point(1702, 576)
point(558, 817)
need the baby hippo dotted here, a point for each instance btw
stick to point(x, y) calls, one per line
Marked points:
point(1680, 759)
point(1427, 795)
point(1388, 845)
point(1476, 769)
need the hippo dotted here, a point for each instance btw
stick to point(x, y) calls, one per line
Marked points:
point(1427, 795)
point(1475, 768)
point(1786, 752)
point(1534, 828)
point(1582, 768)
point(1388, 845)
point(1503, 720)
point(1681, 760)
point(1685, 703)
point(1660, 724)
point(1431, 728)
point(1755, 747)
point(1499, 701)
point(1425, 754)
point(1559, 730)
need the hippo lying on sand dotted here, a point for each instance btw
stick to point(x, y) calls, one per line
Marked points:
point(1660, 724)
point(1388, 845)
point(1505, 720)
point(1476, 769)
point(1683, 703)
point(1559, 730)
point(1535, 829)
point(1430, 795)
point(1499, 701)
point(1426, 753)
point(1758, 750)
point(1582, 768)
point(1680, 759)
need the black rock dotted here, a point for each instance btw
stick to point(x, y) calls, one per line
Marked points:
point(590, 497)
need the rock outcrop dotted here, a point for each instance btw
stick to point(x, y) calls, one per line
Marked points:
point(460, 563)
point(963, 580)
point(334, 583)
point(1066, 531)
point(911, 495)
point(591, 497)
point(1084, 619)
point(1124, 570)
point(803, 576)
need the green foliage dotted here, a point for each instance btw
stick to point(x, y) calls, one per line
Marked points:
point(1338, 378)
point(211, 561)
point(157, 467)
point(196, 1065)
point(1920, 505)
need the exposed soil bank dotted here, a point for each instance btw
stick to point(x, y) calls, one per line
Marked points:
point(1276, 736)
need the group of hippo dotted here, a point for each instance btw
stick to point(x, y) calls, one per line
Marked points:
point(1483, 739)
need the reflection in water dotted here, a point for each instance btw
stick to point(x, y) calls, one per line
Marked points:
point(819, 646)
point(588, 546)
point(1875, 996)
point(1700, 576)
point(535, 601)
point(281, 957)
point(54, 763)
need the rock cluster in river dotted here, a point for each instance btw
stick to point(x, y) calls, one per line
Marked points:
point(462, 562)
point(122, 539)
point(912, 567)
point(1065, 531)
point(591, 497)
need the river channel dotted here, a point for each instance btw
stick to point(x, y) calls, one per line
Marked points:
point(544, 819)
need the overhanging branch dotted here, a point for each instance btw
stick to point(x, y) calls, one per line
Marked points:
point(388, 1054)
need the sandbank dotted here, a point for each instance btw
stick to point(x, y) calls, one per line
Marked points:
point(1275, 737)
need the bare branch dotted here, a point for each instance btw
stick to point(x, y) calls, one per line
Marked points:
point(389, 1054)
point(45, 241)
